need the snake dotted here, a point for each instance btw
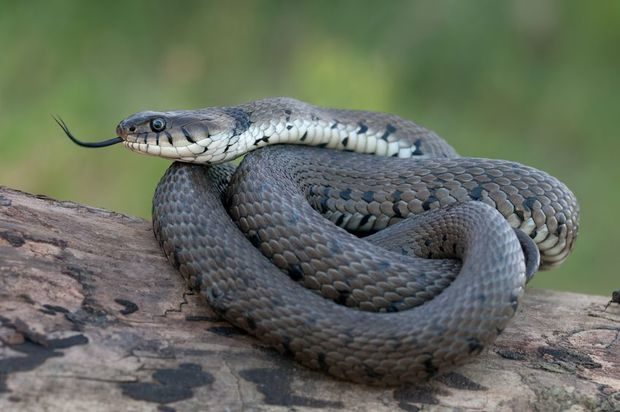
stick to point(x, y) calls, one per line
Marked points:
point(358, 243)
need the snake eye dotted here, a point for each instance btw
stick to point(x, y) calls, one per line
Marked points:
point(158, 124)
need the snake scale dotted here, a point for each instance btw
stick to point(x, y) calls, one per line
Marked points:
point(412, 260)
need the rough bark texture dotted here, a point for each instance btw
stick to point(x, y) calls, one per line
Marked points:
point(92, 317)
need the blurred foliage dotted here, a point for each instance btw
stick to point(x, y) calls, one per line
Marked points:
point(531, 81)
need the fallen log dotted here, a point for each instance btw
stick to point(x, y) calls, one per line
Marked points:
point(92, 317)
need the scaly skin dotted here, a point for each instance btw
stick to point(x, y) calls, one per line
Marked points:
point(435, 318)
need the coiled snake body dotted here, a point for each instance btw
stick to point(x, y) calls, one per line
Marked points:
point(388, 314)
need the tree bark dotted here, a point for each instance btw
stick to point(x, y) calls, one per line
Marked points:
point(94, 318)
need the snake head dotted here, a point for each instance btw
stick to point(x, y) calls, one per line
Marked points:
point(197, 136)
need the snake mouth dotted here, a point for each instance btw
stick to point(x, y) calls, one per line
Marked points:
point(103, 143)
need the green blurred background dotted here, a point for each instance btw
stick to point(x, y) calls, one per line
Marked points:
point(532, 81)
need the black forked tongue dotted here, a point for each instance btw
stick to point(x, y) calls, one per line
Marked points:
point(103, 143)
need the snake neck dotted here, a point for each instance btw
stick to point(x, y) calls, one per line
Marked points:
point(294, 122)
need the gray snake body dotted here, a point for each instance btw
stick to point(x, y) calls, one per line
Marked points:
point(392, 315)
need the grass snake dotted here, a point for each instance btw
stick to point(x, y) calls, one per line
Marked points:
point(412, 260)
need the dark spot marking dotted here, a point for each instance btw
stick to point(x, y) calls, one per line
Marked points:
point(335, 124)
point(226, 331)
point(55, 308)
point(345, 141)
point(417, 151)
point(368, 196)
point(528, 204)
point(408, 396)
point(511, 354)
point(289, 127)
point(323, 205)
point(32, 355)
point(169, 136)
point(15, 239)
point(187, 135)
point(47, 311)
point(254, 239)
point(476, 193)
point(170, 385)
point(393, 308)
point(295, 272)
point(458, 381)
point(217, 299)
point(304, 136)
point(275, 386)
point(426, 205)
point(339, 221)
point(262, 139)
point(241, 117)
point(396, 210)
point(321, 145)
point(65, 343)
point(372, 373)
point(569, 356)
point(322, 363)
point(389, 129)
point(129, 306)
point(475, 346)
point(396, 195)
point(364, 220)
point(343, 297)
point(363, 128)
point(251, 322)
point(430, 368)
point(287, 111)
point(520, 214)
point(346, 194)
point(286, 346)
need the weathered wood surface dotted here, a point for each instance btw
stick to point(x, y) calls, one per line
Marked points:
point(93, 318)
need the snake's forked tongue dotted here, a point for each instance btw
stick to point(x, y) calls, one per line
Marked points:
point(102, 143)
